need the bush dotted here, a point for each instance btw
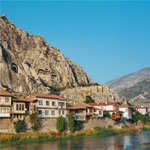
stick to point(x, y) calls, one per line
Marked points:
point(60, 124)
point(19, 125)
point(107, 115)
point(89, 99)
point(71, 123)
point(143, 118)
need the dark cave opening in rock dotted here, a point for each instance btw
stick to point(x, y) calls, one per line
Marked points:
point(14, 67)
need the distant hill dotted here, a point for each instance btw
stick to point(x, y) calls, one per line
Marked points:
point(135, 87)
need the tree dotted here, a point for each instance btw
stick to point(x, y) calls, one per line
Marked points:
point(107, 115)
point(19, 125)
point(60, 124)
point(34, 121)
point(89, 99)
point(71, 123)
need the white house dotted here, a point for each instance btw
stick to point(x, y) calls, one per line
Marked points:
point(50, 106)
point(141, 109)
point(22, 107)
point(127, 113)
point(5, 104)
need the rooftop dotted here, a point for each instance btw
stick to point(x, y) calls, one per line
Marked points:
point(5, 93)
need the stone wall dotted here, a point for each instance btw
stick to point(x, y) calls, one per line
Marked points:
point(6, 125)
point(49, 124)
point(100, 93)
point(104, 123)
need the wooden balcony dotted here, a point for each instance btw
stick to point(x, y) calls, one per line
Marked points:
point(79, 117)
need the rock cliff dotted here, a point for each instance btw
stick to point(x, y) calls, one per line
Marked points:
point(135, 87)
point(29, 64)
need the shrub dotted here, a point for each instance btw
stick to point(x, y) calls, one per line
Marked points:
point(107, 115)
point(89, 99)
point(60, 124)
point(71, 123)
point(19, 125)
point(143, 118)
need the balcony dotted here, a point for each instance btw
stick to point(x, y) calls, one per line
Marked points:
point(79, 117)
point(4, 114)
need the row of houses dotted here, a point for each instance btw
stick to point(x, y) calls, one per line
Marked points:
point(53, 106)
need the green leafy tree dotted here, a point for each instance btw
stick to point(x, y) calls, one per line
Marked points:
point(34, 121)
point(143, 118)
point(71, 123)
point(60, 124)
point(107, 115)
point(19, 125)
point(89, 99)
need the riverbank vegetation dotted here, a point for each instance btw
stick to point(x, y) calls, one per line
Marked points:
point(32, 137)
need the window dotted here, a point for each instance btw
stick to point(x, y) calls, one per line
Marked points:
point(40, 112)
point(46, 112)
point(40, 102)
point(6, 99)
point(53, 112)
point(63, 112)
point(47, 103)
point(59, 112)
point(61, 104)
point(53, 103)
point(100, 112)
point(22, 107)
point(17, 107)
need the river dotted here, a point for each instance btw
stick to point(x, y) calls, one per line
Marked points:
point(130, 141)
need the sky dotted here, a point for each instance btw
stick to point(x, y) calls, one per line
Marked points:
point(109, 39)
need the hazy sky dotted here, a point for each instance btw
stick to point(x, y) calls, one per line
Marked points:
point(108, 39)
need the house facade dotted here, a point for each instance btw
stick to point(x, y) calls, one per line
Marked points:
point(127, 112)
point(49, 105)
point(141, 109)
point(5, 104)
point(21, 107)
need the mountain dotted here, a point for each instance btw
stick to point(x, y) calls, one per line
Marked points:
point(135, 87)
point(29, 64)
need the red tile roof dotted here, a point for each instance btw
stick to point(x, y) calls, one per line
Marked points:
point(5, 93)
point(24, 100)
point(113, 111)
point(93, 104)
point(80, 105)
point(49, 96)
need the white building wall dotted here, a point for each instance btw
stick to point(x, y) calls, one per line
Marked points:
point(51, 108)
point(4, 111)
point(5, 100)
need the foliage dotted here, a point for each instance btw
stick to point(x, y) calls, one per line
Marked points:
point(89, 99)
point(107, 115)
point(60, 124)
point(34, 121)
point(71, 123)
point(143, 118)
point(19, 125)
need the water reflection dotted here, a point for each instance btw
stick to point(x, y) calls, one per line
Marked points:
point(136, 141)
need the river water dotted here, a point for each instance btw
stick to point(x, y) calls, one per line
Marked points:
point(138, 141)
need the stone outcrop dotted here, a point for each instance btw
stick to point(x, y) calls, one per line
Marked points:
point(29, 64)
point(99, 93)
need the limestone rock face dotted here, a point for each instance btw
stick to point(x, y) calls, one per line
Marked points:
point(99, 93)
point(29, 64)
